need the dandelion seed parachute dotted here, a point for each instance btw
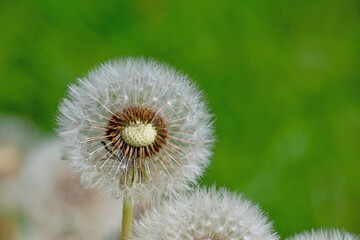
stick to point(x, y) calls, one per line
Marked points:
point(206, 215)
point(137, 124)
point(323, 234)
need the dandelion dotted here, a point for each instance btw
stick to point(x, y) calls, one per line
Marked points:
point(54, 203)
point(19, 132)
point(331, 234)
point(136, 127)
point(16, 138)
point(204, 215)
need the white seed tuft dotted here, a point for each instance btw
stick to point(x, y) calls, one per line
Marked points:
point(325, 234)
point(107, 151)
point(55, 202)
point(204, 214)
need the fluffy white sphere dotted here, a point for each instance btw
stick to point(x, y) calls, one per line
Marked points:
point(136, 127)
point(331, 234)
point(206, 215)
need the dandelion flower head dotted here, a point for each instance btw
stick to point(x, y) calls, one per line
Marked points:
point(17, 137)
point(330, 234)
point(204, 215)
point(136, 127)
point(55, 205)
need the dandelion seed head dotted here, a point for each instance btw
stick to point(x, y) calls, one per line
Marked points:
point(56, 203)
point(325, 234)
point(204, 214)
point(17, 136)
point(136, 127)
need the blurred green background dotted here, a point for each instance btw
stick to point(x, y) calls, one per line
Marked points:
point(281, 77)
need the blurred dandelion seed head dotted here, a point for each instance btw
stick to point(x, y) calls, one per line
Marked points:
point(325, 234)
point(137, 124)
point(17, 137)
point(204, 214)
point(56, 204)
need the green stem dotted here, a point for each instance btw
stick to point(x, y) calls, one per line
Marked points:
point(127, 219)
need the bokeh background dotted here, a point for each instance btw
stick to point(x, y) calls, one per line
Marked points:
point(281, 77)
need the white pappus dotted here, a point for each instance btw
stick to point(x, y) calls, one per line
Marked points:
point(136, 127)
point(325, 234)
point(204, 215)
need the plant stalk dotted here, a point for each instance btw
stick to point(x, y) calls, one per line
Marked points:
point(127, 219)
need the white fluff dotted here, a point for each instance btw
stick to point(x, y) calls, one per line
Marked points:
point(125, 82)
point(17, 136)
point(331, 234)
point(204, 214)
point(56, 206)
point(18, 131)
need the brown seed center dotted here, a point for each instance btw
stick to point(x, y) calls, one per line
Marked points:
point(126, 119)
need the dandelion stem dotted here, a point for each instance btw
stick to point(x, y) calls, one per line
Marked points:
point(127, 219)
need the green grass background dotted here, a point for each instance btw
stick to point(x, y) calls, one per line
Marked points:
point(282, 78)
